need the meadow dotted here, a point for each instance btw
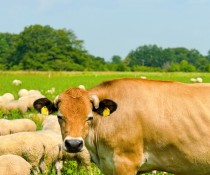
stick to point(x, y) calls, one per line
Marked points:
point(61, 81)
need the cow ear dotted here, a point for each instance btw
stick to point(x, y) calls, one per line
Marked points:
point(106, 107)
point(44, 106)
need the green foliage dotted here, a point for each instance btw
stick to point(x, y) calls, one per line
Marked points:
point(170, 59)
point(183, 66)
point(72, 168)
point(10, 115)
point(116, 59)
point(44, 48)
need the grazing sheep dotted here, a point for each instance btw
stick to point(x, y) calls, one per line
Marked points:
point(23, 92)
point(196, 80)
point(193, 80)
point(143, 77)
point(51, 123)
point(81, 87)
point(34, 92)
point(40, 148)
point(27, 101)
point(199, 80)
point(14, 165)
point(16, 82)
point(17, 125)
point(6, 98)
point(26, 145)
point(11, 105)
point(7, 103)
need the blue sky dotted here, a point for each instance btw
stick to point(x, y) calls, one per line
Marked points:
point(115, 27)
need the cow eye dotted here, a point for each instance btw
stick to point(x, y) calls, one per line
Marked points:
point(89, 118)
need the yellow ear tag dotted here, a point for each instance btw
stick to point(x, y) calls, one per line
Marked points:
point(106, 112)
point(44, 110)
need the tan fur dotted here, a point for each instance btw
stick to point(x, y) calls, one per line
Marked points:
point(157, 126)
point(14, 165)
point(39, 148)
point(16, 125)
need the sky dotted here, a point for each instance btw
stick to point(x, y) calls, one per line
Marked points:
point(116, 27)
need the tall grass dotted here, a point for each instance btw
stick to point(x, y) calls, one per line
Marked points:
point(63, 80)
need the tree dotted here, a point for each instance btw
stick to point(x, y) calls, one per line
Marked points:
point(8, 46)
point(145, 56)
point(208, 56)
point(116, 59)
point(40, 47)
point(183, 66)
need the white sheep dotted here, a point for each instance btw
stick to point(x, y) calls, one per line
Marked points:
point(51, 123)
point(27, 101)
point(196, 80)
point(26, 145)
point(14, 165)
point(199, 80)
point(143, 77)
point(39, 148)
point(6, 98)
point(23, 92)
point(34, 92)
point(193, 80)
point(16, 125)
point(16, 82)
point(81, 87)
point(12, 105)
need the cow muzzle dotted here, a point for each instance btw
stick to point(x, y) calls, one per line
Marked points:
point(73, 145)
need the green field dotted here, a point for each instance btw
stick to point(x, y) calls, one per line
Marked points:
point(63, 80)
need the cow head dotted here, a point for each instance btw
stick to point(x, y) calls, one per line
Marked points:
point(76, 111)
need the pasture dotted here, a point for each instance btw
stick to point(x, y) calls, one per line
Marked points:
point(60, 81)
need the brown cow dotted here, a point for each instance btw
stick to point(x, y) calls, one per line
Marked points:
point(133, 126)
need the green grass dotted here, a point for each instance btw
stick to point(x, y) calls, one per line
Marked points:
point(63, 80)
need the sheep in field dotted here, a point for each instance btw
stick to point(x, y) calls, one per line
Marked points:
point(25, 102)
point(14, 165)
point(16, 125)
point(28, 100)
point(196, 80)
point(15, 104)
point(6, 98)
point(26, 145)
point(23, 92)
point(16, 82)
point(40, 148)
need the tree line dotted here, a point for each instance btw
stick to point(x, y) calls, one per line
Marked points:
point(43, 48)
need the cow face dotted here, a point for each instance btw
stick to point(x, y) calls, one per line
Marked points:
point(76, 110)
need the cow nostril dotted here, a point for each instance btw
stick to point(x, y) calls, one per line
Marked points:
point(73, 145)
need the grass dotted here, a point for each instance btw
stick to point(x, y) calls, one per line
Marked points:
point(63, 80)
